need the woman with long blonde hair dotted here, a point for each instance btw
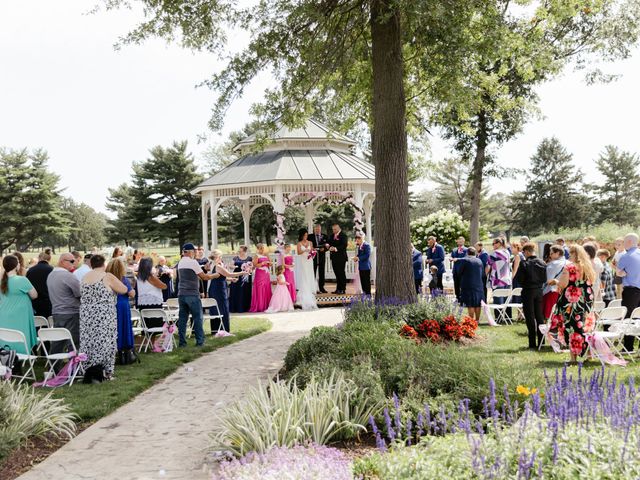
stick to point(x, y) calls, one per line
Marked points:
point(575, 303)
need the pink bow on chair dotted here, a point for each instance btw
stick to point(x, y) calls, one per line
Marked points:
point(67, 373)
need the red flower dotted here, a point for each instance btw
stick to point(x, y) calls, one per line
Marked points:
point(408, 331)
point(451, 328)
point(576, 341)
point(556, 320)
point(573, 294)
point(589, 322)
point(468, 327)
point(573, 273)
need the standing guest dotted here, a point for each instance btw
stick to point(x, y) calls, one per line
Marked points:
point(575, 304)
point(37, 275)
point(524, 239)
point(546, 253)
point(418, 268)
point(435, 258)
point(606, 277)
point(458, 253)
point(218, 291)
point(33, 261)
point(77, 256)
point(165, 274)
point(482, 254)
point(319, 241)
point(565, 248)
point(123, 308)
point(498, 268)
point(362, 258)
point(261, 291)
point(555, 267)
point(591, 250)
point(83, 269)
point(532, 276)
point(281, 299)
point(617, 281)
point(16, 311)
point(516, 251)
point(22, 266)
point(150, 289)
point(629, 269)
point(240, 291)
point(190, 273)
point(99, 320)
point(470, 271)
point(203, 261)
point(119, 254)
point(433, 282)
point(64, 293)
point(337, 245)
point(289, 276)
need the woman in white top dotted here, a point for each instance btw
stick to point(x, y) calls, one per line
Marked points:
point(303, 270)
point(555, 266)
point(149, 288)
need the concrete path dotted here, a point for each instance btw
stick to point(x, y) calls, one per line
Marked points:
point(164, 432)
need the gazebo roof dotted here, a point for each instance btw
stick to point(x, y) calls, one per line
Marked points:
point(311, 154)
point(312, 130)
point(293, 165)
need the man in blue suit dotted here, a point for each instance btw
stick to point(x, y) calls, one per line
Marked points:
point(363, 254)
point(457, 253)
point(418, 269)
point(435, 257)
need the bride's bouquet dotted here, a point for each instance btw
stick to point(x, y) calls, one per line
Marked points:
point(312, 255)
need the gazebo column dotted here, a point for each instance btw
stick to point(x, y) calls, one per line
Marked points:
point(246, 219)
point(205, 223)
point(358, 209)
point(368, 210)
point(213, 204)
point(309, 214)
point(278, 208)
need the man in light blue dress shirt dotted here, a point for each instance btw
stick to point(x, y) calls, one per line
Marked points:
point(629, 269)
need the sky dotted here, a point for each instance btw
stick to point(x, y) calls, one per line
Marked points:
point(64, 88)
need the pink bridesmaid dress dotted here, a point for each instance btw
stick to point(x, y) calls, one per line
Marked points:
point(281, 300)
point(261, 293)
point(290, 277)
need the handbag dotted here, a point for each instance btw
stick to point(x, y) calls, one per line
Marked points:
point(127, 357)
point(7, 357)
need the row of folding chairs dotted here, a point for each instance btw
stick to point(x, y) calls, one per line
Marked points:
point(172, 308)
point(501, 310)
point(46, 336)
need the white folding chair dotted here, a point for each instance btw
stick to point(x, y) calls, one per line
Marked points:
point(615, 303)
point(40, 322)
point(52, 335)
point(150, 332)
point(136, 324)
point(50, 320)
point(8, 335)
point(598, 306)
point(208, 303)
point(635, 315)
point(516, 292)
point(172, 307)
point(501, 309)
point(611, 316)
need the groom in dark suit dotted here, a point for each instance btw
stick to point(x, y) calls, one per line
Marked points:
point(337, 245)
point(319, 240)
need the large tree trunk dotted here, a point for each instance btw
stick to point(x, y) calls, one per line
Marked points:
point(476, 178)
point(389, 151)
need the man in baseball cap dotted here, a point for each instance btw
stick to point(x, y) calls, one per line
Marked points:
point(189, 275)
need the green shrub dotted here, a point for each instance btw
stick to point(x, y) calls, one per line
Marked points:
point(604, 232)
point(321, 341)
point(281, 414)
point(25, 413)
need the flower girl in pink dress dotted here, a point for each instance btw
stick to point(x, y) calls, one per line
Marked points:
point(281, 299)
point(288, 272)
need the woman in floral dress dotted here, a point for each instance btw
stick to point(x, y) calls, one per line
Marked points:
point(573, 312)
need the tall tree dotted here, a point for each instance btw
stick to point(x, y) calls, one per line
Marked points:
point(554, 196)
point(513, 50)
point(88, 226)
point(125, 227)
point(350, 51)
point(617, 198)
point(162, 202)
point(31, 199)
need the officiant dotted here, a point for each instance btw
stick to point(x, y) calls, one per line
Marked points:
point(337, 245)
point(319, 240)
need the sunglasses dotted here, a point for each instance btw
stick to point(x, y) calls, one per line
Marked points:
point(70, 261)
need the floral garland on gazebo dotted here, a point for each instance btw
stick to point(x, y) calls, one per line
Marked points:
point(347, 198)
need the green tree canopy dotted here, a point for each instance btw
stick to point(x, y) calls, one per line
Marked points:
point(554, 196)
point(617, 197)
point(125, 227)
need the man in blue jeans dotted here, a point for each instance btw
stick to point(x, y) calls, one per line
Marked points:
point(190, 273)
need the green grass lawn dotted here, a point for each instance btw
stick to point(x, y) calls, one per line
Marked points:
point(91, 402)
point(508, 344)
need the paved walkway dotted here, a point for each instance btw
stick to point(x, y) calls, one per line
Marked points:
point(164, 432)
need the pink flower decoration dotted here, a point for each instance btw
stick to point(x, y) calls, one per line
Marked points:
point(573, 294)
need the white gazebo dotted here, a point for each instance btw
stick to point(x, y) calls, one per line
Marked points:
point(302, 167)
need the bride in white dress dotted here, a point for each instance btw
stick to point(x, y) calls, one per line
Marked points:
point(303, 271)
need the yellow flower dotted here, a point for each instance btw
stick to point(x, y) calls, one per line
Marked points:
point(522, 390)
